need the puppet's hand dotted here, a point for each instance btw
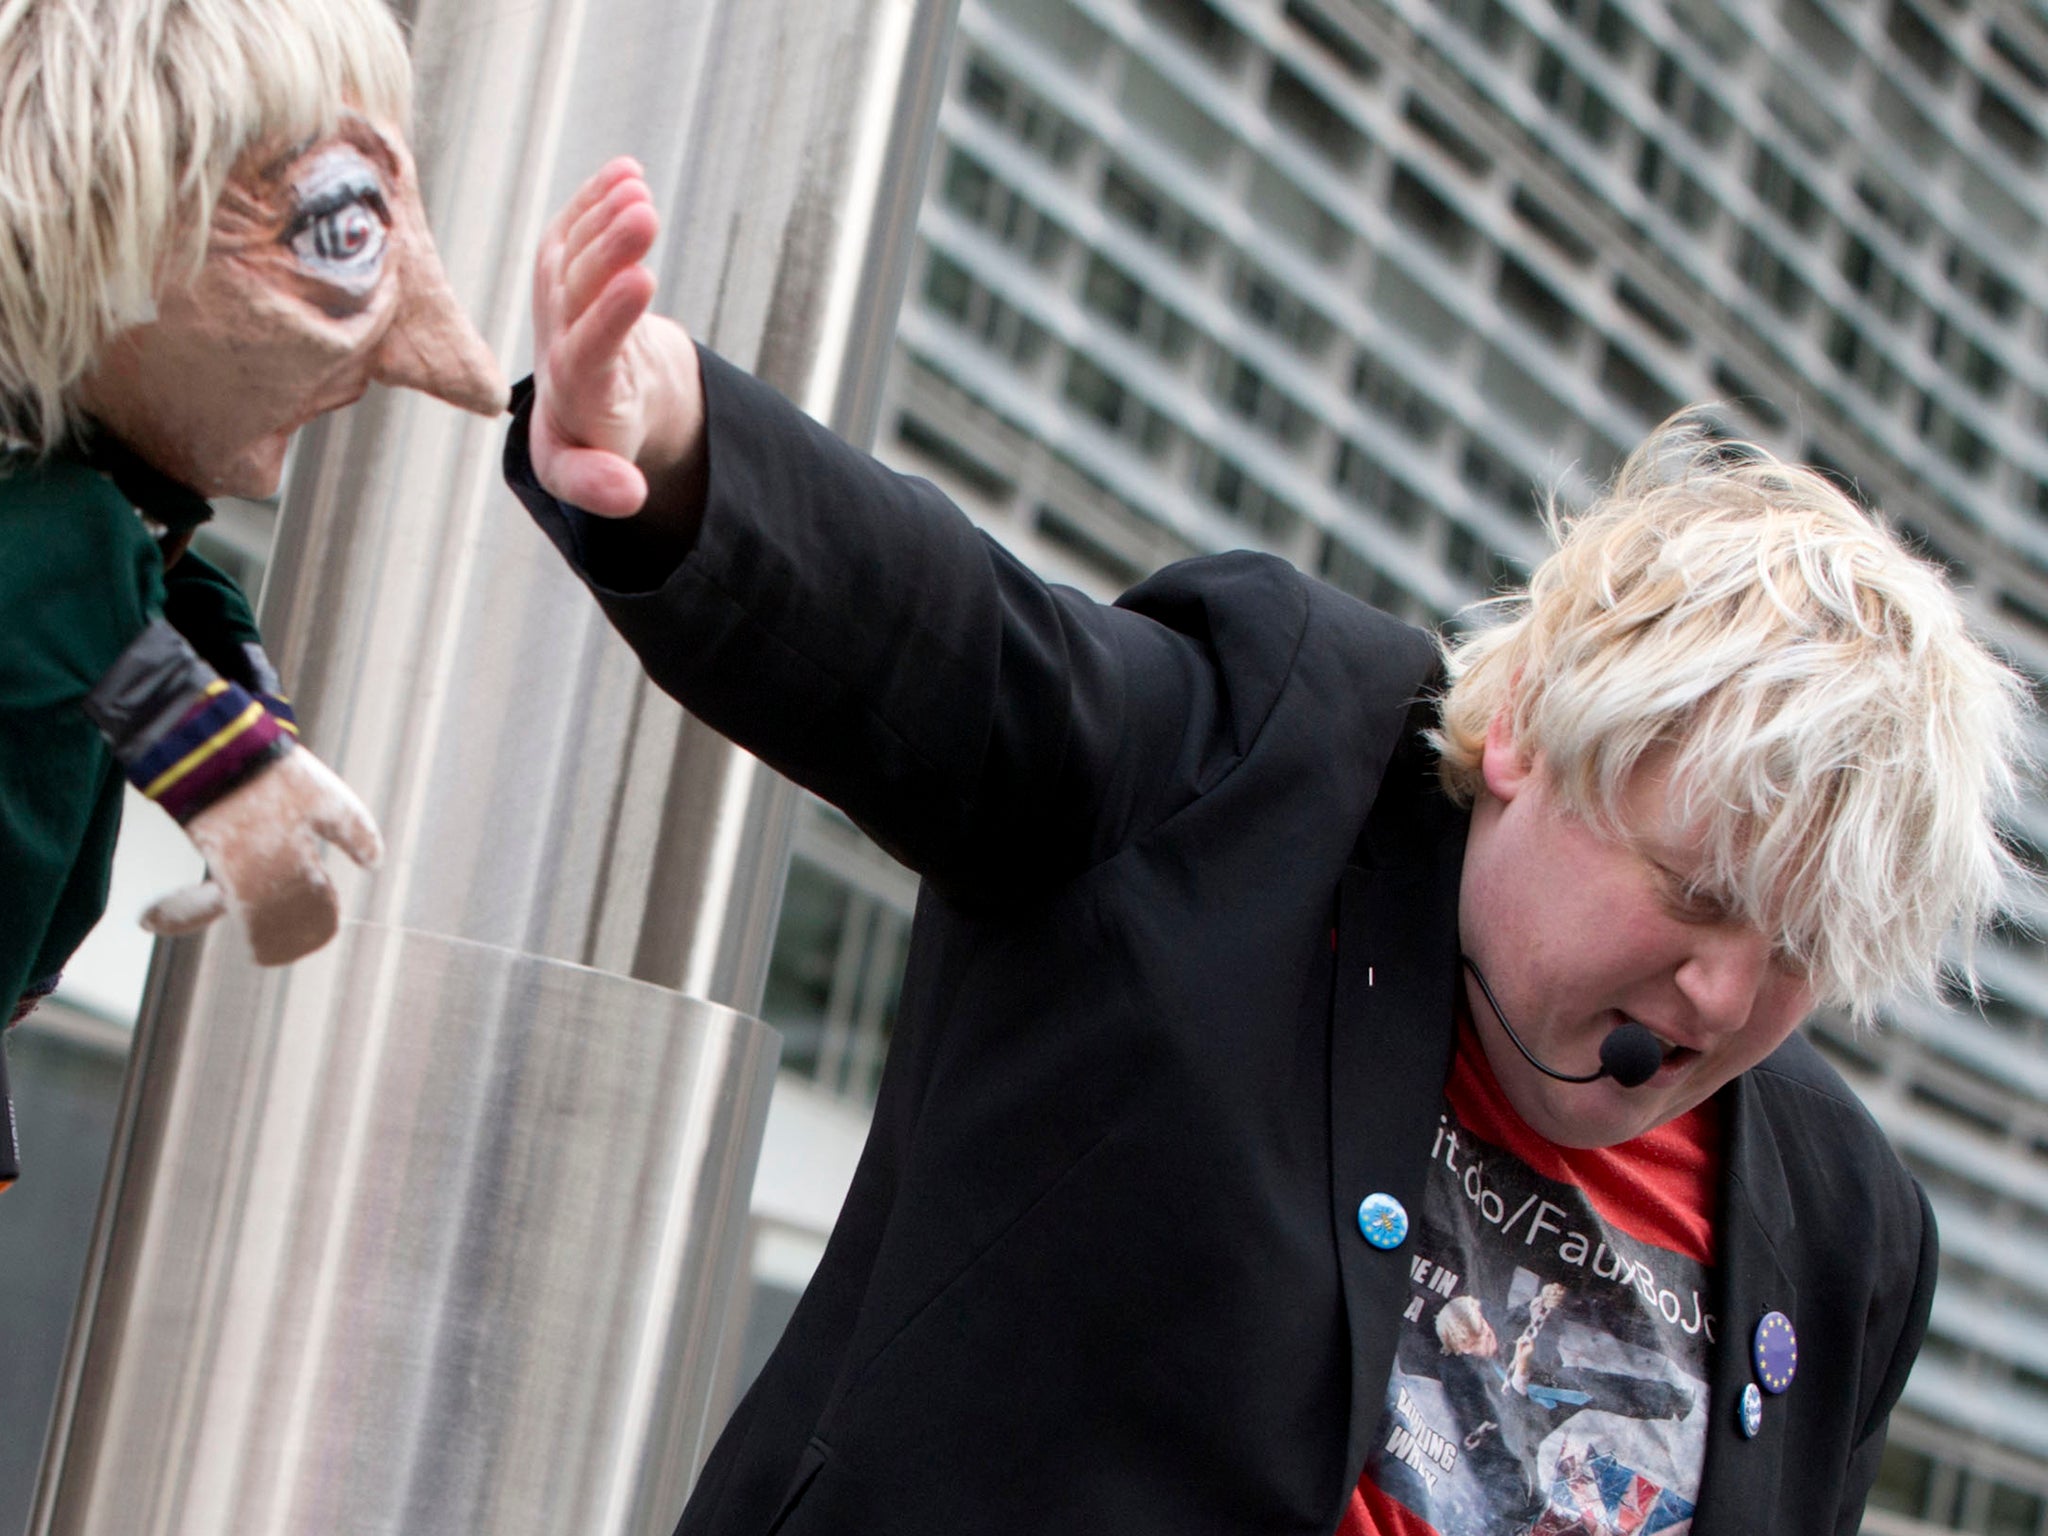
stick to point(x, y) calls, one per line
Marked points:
point(262, 844)
point(618, 413)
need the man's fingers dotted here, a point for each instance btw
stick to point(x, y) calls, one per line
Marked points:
point(602, 389)
point(590, 194)
point(601, 215)
point(550, 259)
point(547, 287)
point(185, 911)
point(621, 241)
point(598, 482)
point(583, 353)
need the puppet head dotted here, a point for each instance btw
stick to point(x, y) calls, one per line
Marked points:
point(213, 231)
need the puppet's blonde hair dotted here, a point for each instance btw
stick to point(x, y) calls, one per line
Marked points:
point(120, 121)
point(1846, 745)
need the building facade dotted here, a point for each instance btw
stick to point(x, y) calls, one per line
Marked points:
point(1352, 281)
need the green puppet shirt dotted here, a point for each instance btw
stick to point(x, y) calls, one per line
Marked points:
point(80, 578)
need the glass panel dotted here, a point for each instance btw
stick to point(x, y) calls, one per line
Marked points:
point(1904, 1478)
point(805, 970)
point(1398, 298)
point(1152, 101)
point(2012, 1512)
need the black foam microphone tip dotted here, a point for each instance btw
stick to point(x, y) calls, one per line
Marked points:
point(1631, 1055)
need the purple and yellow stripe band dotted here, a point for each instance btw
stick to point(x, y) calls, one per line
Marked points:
point(182, 733)
point(223, 738)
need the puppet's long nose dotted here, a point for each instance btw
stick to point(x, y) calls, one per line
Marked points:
point(432, 347)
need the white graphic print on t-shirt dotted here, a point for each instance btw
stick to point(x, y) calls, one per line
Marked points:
point(1551, 1372)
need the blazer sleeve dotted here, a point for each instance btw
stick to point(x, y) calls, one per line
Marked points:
point(850, 626)
point(1861, 1473)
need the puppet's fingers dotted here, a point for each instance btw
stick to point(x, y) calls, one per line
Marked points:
point(345, 822)
point(334, 811)
point(349, 828)
point(291, 918)
point(185, 911)
point(262, 842)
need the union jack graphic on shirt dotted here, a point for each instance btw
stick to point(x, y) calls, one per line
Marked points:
point(1598, 1496)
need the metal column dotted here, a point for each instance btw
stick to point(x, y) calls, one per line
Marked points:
point(433, 1233)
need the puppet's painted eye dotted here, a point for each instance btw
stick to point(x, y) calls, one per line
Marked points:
point(341, 238)
point(347, 235)
point(340, 224)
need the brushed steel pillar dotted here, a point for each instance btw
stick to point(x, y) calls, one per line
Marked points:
point(433, 1233)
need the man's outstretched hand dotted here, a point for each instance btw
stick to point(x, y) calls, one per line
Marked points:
point(618, 415)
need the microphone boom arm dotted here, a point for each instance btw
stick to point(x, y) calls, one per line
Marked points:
point(1630, 1054)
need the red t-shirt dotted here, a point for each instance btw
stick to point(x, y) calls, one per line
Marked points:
point(1551, 1373)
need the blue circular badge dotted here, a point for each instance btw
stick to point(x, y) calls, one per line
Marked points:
point(1383, 1220)
point(1752, 1410)
point(1775, 1351)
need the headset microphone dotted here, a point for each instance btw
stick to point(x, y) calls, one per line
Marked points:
point(1630, 1054)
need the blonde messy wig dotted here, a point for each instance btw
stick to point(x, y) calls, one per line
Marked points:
point(120, 121)
point(1823, 714)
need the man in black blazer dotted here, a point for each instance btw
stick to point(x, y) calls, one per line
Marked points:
point(1204, 1132)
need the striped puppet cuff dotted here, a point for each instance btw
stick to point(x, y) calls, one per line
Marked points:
point(183, 734)
point(261, 678)
point(280, 709)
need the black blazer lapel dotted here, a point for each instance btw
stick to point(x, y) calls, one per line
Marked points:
point(1391, 1035)
point(1738, 1487)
